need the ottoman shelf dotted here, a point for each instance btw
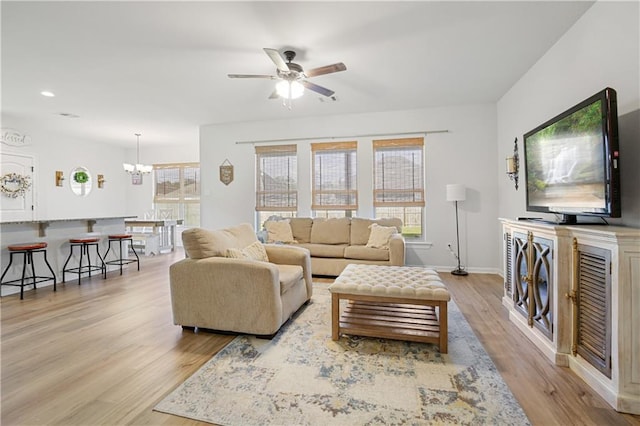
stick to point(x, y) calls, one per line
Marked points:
point(413, 323)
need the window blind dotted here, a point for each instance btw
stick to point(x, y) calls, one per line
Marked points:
point(398, 172)
point(276, 178)
point(177, 182)
point(334, 184)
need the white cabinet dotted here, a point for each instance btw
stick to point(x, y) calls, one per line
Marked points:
point(574, 291)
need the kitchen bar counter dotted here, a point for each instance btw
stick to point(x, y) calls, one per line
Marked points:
point(43, 224)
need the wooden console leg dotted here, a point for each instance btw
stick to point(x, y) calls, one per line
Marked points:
point(444, 327)
point(335, 316)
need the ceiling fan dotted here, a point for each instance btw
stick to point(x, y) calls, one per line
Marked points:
point(293, 77)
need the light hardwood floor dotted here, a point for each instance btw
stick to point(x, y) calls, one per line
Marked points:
point(106, 352)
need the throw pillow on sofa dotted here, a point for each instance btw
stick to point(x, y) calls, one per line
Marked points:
point(279, 231)
point(380, 235)
point(254, 251)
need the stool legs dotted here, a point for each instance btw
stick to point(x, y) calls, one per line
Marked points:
point(27, 258)
point(53, 274)
point(122, 260)
point(84, 250)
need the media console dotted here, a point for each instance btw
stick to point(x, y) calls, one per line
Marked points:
point(574, 291)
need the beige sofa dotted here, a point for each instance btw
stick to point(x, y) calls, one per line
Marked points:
point(210, 290)
point(335, 243)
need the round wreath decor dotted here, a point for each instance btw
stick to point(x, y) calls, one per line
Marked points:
point(81, 177)
point(14, 185)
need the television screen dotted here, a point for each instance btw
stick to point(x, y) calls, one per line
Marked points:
point(569, 160)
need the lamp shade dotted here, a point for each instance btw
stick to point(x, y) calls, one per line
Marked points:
point(456, 192)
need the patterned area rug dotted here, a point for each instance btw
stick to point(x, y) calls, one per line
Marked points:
point(302, 377)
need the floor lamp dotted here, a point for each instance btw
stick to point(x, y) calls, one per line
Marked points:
point(457, 192)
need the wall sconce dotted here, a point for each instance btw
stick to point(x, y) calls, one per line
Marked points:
point(59, 177)
point(513, 164)
point(101, 181)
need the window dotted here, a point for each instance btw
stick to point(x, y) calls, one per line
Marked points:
point(334, 185)
point(177, 192)
point(276, 182)
point(398, 187)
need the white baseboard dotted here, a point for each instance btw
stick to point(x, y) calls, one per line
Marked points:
point(448, 268)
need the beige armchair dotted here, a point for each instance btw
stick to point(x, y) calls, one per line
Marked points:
point(212, 291)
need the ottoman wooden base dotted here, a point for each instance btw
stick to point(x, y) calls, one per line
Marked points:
point(394, 302)
point(391, 318)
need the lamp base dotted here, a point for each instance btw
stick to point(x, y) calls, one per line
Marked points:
point(460, 272)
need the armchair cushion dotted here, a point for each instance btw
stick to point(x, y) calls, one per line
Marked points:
point(254, 251)
point(202, 243)
point(289, 275)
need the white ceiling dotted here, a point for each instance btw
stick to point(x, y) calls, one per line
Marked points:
point(160, 68)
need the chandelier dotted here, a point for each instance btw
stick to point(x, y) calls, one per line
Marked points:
point(138, 168)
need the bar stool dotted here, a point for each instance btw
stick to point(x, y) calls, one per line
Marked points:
point(27, 250)
point(119, 238)
point(84, 244)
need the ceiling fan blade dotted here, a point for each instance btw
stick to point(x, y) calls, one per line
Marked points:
point(318, 89)
point(327, 69)
point(270, 77)
point(277, 59)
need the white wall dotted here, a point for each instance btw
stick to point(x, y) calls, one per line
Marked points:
point(53, 151)
point(467, 154)
point(600, 50)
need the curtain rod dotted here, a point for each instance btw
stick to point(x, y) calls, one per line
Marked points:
point(424, 132)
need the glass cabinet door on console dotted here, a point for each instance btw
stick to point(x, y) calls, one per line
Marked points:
point(531, 259)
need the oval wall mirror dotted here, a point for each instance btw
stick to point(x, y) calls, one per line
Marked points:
point(81, 181)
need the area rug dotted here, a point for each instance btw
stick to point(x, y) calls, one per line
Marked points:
point(302, 377)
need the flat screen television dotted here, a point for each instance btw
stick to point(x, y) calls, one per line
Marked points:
point(572, 161)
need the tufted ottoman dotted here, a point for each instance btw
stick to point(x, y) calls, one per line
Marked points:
point(392, 302)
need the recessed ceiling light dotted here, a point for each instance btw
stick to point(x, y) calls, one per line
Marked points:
point(47, 94)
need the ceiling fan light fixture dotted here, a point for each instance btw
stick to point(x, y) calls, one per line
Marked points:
point(289, 89)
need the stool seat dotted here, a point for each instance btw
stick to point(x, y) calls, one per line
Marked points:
point(83, 240)
point(26, 246)
point(26, 250)
point(119, 236)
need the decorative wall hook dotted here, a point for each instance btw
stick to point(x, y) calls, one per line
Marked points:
point(101, 181)
point(513, 164)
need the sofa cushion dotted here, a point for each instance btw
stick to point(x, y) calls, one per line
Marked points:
point(379, 237)
point(279, 231)
point(325, 250)
point(330, 231)
point(366, 253)
point(254, 251)
point(289, 275)
point(201, 243)
point(301, 228)
point(360, 228)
